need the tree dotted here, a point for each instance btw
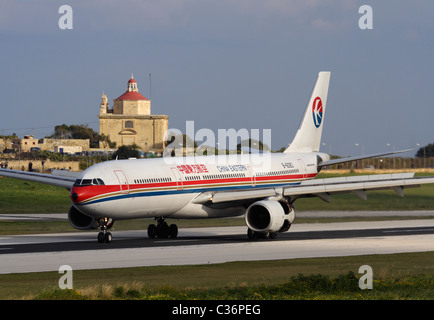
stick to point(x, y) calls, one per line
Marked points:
point(80, 132)
point(253, 145)
point(426, 152)
point(126, 152)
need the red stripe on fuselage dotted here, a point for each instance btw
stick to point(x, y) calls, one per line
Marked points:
point(84, 193)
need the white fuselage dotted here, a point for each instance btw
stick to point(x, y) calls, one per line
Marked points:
point(167, 187)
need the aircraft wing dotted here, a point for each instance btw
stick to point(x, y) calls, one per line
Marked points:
point(360, 157)
point(321, 188)
point(56, 179)
point(357, 185)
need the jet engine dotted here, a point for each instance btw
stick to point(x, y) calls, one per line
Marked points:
point(269, 216)
point(81, 221)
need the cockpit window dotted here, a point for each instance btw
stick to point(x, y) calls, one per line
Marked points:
point(89, 182)
point(86, 182)
point(98, 181)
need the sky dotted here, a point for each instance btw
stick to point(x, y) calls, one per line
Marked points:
point(225, 64)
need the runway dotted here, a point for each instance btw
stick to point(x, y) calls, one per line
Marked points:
point(47, 252)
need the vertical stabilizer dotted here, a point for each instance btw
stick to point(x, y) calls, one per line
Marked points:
point(308, 136)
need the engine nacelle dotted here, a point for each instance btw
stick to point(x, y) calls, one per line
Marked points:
point(269, 216)
point(81, 221)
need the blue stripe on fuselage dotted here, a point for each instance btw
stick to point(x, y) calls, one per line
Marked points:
point(183, 191)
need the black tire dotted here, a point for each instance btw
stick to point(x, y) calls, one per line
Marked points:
point(251, 234)
point(173, 231)
point(101, 237)
point(108, 237)
point(152, 231)
point(162, 230)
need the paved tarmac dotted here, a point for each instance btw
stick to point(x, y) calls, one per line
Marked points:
point(300, 214)
point(80, 250)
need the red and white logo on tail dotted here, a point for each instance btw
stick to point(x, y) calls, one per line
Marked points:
point(308, 136)
point(317, 111)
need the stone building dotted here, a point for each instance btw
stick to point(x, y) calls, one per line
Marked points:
point(130, 121)
point(26, 144)
point(65, 145)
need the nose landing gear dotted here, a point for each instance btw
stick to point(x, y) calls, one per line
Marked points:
point(104, 235)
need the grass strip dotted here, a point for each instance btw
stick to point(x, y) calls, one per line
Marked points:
point(396, 276)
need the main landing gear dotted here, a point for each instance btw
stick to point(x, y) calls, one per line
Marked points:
point(162, 229)
point(105, 224)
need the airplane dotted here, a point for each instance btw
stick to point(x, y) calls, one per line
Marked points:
point(263, 189)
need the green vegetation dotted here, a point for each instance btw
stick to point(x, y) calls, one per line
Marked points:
point(415, 199)
point(396, 276)
point(18, 196)
point(126, 152)
point(300, 287)
point(426, 152)
point(80, 132)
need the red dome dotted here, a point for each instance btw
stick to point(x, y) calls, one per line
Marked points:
point(131, 95)
point(132, 81)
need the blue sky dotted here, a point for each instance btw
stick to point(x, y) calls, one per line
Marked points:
point(225, 64)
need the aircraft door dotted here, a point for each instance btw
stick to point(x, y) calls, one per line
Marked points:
point(303, 169)
point(252, 175)
point(123, 182)
point(178, 178)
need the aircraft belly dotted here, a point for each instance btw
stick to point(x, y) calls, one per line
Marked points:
point(197, 211)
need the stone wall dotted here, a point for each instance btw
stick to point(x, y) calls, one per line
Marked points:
point(51, 144)
point(15, 164)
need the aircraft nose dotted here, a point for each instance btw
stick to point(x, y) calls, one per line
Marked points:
point(75, 194)
point(74, 197)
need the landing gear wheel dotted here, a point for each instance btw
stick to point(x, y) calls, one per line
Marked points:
point(104, 237)
point(253, 235)
point(173, 231)
point(108, 237)
point(101, 237)
point(152, 231)
point(273, 235)
point(105, 224)
point(162, 230)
